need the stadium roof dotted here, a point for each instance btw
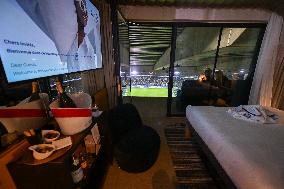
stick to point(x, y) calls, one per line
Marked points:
point(150, 45)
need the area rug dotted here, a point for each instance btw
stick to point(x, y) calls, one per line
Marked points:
point(190, 170)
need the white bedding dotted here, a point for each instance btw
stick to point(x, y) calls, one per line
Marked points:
point(252, 154)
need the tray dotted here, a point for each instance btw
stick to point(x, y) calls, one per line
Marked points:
point(28, 158)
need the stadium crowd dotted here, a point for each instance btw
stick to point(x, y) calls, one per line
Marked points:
point(147, 81)
point(151, 81)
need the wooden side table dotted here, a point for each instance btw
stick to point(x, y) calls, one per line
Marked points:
point(7, 156)
point(57, 173)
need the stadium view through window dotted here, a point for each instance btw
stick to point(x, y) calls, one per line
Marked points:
point(211, 65)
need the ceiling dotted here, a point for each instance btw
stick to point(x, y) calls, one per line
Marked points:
point(266, 4)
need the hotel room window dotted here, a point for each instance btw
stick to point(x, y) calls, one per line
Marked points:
point(199, 80)
point(194, 61)
point(238, 47)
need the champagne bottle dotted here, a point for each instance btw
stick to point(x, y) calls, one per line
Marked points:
point(76, 172)
point(84, 162)
point(35, 94)
point(64, 100)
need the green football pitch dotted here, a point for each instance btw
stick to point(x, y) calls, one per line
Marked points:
point(146, 92)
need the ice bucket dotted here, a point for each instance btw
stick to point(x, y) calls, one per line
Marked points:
point(25, 115)
point(73, 120)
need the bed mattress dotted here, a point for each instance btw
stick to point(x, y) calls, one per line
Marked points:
point(252, 154)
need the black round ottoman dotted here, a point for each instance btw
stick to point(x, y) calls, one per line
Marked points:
point(137, 150)
point(122, 119)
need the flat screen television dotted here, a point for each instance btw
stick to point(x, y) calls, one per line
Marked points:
point(40, 38)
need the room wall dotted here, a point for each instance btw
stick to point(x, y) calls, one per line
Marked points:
point(96, 80)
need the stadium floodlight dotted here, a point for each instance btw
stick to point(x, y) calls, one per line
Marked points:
point(134, 72)
point(176, 73)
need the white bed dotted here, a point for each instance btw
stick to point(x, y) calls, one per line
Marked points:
point(251, 154)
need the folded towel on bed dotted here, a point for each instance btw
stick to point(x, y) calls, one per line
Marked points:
point(253, 113)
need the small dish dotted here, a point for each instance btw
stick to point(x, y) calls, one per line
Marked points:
point(50, 135)
point(42, 151)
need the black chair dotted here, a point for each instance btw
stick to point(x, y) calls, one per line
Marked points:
point(122, 119)
point(138, 150)
point(135, 147)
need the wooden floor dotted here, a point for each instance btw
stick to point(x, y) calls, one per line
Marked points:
point(160, 176)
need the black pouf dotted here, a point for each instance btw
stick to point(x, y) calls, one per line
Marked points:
point(122, 119)
point(138, 150)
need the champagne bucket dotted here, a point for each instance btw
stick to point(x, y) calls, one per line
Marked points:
point(25, 115)
point(73, 120)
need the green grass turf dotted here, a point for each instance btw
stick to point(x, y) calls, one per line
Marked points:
point(147, 92)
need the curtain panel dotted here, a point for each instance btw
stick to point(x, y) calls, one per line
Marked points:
point(266, 78)
point(278, 85)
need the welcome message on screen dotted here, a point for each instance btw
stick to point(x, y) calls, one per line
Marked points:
point(36, 44)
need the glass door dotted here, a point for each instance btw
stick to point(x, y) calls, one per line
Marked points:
point(188, 64)
point(214, 65)
point(194, 61)
point(235, 65)
point(124, 47)
point(148, 61)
